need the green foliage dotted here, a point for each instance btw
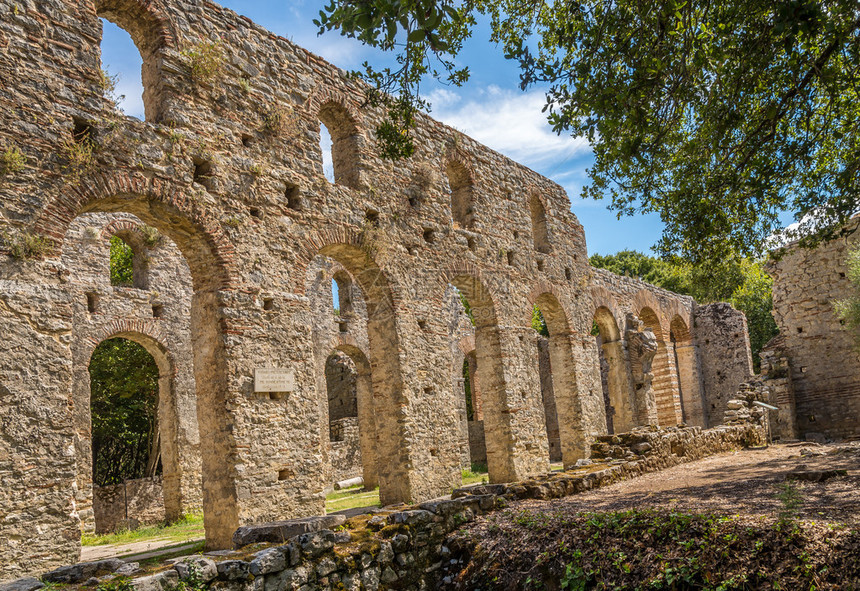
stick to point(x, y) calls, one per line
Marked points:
point(715, 115)
point(11, 161)
point(121, 263)
point(741, 282)
point(27, 246)
point(116, 584)
point(848, 310)
point(466, 307)
point(791, 501)
point(538, 322)
point(204, 61)
point(467, 386)
point(124, 403)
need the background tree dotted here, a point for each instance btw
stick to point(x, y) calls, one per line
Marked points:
point(121, 262)
point(716, 115)
point(124, 403)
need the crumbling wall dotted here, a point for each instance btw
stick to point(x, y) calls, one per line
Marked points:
point(725, 357)
point(820, 363)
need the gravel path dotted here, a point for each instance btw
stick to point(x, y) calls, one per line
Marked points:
point(742, 482)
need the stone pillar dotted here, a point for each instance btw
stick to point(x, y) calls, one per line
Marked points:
point(366, 431)
point(548, 396)
point(572, 429)
point(690, 381)
point(642, 347)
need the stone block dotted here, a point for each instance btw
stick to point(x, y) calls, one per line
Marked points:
point(278, 532)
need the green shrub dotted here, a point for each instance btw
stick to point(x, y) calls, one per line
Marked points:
point(204, 61)
point(11, 161)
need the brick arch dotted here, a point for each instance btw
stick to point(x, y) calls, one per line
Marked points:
point(145, 20)
point(198, 235)
point(322, 96)
point(121, 225)
point(466, 344)
point(603, 298)
point(645, 299)
point(147, 333)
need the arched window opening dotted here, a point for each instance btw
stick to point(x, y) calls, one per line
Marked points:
point(326, 149)
point(340, 144)
point(122, 67)
point(540, 233)
point(462, 194)
point(128, 264)
point(124, 402)
point(614, 380)
point(341, 285)
point(467, 389)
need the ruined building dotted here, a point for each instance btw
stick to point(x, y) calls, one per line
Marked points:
point(235, 301)
point(812, 368)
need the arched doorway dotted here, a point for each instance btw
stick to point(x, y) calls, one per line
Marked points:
point(574, 440)
point(132, 414)
point(614, 371)
point(689, 377)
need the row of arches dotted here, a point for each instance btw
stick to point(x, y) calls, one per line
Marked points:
point(671, 395)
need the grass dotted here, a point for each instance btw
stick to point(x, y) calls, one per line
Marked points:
point(188, 528)
point(351, 498)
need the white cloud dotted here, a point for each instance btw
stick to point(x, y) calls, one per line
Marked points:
point(509, 122)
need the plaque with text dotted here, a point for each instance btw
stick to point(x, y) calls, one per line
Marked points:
point(272, 379)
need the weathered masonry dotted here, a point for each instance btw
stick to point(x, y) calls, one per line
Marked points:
point(812, 368)
point(228, 169)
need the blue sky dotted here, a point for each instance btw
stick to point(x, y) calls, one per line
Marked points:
point(490, 107)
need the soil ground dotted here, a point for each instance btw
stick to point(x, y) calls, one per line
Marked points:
point(742, 482)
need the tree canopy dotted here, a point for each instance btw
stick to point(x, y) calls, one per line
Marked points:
point(718, 116)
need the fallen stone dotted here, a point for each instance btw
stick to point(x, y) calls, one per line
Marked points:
point(349, 483)
point(25, 584)
point(163, 581)
point(191, 566)
point(78, 573)
point(233, 570)
point(268, 561)
point(278, 532)
point(815, 475)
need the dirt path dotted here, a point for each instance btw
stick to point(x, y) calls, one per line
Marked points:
point(135, 551)
point(742, 482)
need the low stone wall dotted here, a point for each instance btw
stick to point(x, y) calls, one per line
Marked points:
point(128, 505)
point(406, 549)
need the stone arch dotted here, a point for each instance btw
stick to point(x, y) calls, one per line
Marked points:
point(461, 185)
point(366, 415)
point(157, 202)
point(149, 27)
point(346, 142)
point(568, 402)
point(540, 226)
point(665, 383)
point(686, 359)
point(395, 481)
point(209, 255)
point(154, 342)
point(488, 353)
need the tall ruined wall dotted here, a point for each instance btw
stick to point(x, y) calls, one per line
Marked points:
point(725, 357)
point(820, 357)
point(230, 170)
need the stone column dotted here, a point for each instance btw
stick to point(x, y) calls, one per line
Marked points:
point(366, 431)
point(573, 433)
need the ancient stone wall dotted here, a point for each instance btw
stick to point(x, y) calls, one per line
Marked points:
point(725, 358)
point(813, 361)
point(228, 167)
point(128, 505)
point(701, 353)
